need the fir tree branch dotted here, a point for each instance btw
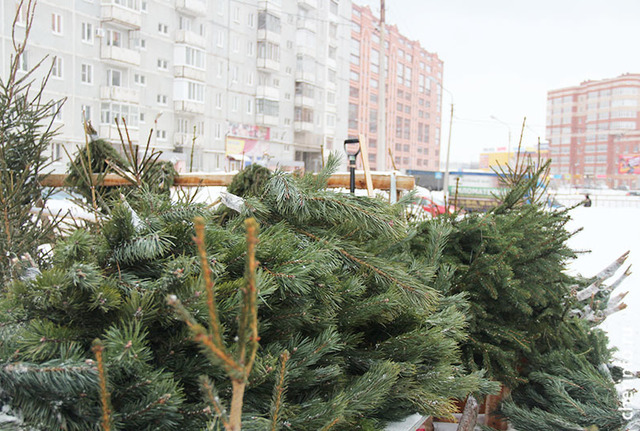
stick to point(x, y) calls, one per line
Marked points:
point(279, 391)
point(216, 332)
point(104, 393)
point(211, 395)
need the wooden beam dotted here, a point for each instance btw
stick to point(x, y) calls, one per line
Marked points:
point(379, 181)
point(364, 154)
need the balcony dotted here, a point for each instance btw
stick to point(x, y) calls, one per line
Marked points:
point(301, 100)
point(302, 126)
point(267, 120)
point(188, 107)
point(191, 7)
point(267, 92)
point(182, 140)
point(268, 65)
point(306, 24)
point(305, 76)
point(110, 133)
point(121, 16)
point(269, 36)
point(309, 4)
point(308, 51)
point(190, 38)
point(120, 94)
point(121, 55)
point(189, 73)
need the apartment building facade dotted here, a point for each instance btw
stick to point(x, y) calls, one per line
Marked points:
point(413, 89)
point(593, 131)
point(219, 79)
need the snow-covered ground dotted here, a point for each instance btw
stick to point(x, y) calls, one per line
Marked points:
point(608, 232)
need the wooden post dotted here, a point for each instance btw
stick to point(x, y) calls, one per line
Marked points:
point(491, 405)
point(364, 153)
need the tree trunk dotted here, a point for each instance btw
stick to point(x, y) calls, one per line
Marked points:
point(235, 416)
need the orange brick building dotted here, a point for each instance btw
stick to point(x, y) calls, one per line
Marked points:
point(413, 89)
point(593, 131)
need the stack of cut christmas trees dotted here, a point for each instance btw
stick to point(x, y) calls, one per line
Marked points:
point(287, 307)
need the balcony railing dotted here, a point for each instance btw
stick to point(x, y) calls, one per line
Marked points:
point(267, 92)
point(190, 38)
point(120, 94)
point(121, 16)
point(267, 64)
point(189, 72)
point(123, 55)
point(192, 7)
point(303, 126)
point(188, 107)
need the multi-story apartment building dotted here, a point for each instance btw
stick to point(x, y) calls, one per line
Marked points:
point(594, 132)
point(236, 80)
point(413, 91)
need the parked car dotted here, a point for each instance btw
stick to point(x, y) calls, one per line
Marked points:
point(436, 208)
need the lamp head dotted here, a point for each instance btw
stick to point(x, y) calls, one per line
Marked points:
point(352, 148)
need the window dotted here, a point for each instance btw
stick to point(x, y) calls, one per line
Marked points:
point(162, 99)
point(56, 111)
point(236, 14)
point(139, 79)
point(21, 11)
point(398, 127)
point(332, 76)
point(163, 64)
point(407, 128)
point(56, 68)
point(269, 22)
point(114, 38)
point(56, 23)
point(194, 57)
point(333, 7)
point(250, 49)
point(373, 120)
point(24, 62)
point(161, 135)
point(219, 100)
point(234, 74)
point(86, 113)
point(217, 131)
point(87, 32)
point(249, 106)
point(114, 77)
point(220, 38)
point(195, 92)
point(184, 23)
point(333, 52)
point(268, 50)
point(235, 101)
point(163, 28)
point(251, 20)
point(331, 97)
point(268, 107)
point(249, 78)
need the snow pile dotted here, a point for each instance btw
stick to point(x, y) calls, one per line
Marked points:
point(607, 233)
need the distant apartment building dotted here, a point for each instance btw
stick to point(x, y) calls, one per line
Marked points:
point(413, 91)
point(594, 132)
point(255, 80)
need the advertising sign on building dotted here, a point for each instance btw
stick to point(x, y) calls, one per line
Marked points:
point(629, 164)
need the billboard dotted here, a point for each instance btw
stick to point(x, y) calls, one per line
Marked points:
point(249, 131)
point(629, 164)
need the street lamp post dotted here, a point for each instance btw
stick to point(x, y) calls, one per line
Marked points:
point(445, 182)
point(493, 117)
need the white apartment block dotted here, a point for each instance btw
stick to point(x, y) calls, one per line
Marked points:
point(237, 80)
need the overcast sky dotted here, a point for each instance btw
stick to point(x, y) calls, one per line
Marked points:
point(502, 56)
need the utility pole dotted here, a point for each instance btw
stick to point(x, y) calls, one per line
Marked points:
point(381, 155)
